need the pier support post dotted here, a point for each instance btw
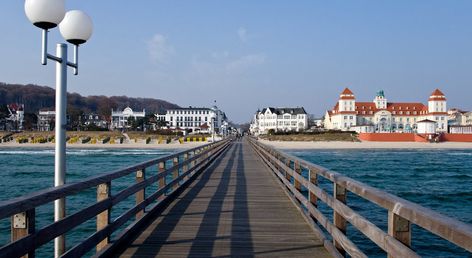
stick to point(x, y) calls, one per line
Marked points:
point(23, 224)
point(399, 228)
point(313, 177)
point(339, 193)
point(185, 167)
point(287, 175)
point(175, 173)
point(141, 194)
point(103, 219)
point(162, 182)
point(297, 170)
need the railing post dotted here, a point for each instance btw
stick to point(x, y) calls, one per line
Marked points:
point(23, 224)
point(103, 219)
point(339, 193)
point(162, 182)
point(298, 170)
point(186, 166)
point(192, 164)
point(141, 194)
point(175, 173)
point(399, 228)
point(287, 175)
point(313, 177)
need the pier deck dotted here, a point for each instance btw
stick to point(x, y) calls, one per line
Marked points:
point(234, 208)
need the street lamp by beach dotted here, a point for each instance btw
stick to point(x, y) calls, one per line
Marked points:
point(76, 28)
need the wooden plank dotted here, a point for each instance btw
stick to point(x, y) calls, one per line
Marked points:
point(231, 209)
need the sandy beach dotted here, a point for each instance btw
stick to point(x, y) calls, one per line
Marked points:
point(185, 145)
point(366, 145)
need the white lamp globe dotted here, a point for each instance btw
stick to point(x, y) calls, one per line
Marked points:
point(45, 14)
point(76, 27)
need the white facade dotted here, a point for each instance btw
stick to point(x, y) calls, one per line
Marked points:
point(386, 116)
point(459, 117)
point(46, 119)
point(427, 127)
point(203, 120)
point(119, 119)
point(279, 119)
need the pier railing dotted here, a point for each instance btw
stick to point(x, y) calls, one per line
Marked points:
point(170, 179)
point(396, 242)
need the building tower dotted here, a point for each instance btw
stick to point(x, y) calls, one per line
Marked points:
point(380, 100)
point(437, 110)
point(437, 102)
point(347, 110)
point(347, 101)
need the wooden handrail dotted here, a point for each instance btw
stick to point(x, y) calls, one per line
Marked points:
point(401, 213)
point(26, 239)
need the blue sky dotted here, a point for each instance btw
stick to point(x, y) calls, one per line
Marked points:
point(251, 54)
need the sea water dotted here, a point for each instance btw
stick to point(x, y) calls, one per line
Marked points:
point(438, 179)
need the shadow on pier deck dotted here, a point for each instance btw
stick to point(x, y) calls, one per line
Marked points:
point(234, 208)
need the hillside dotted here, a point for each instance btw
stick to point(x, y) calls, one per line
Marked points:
point(41, 97)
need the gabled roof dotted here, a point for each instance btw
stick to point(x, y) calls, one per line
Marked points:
point(437, 92)
point(280, 111)
point(347, 91)
point(426, 121)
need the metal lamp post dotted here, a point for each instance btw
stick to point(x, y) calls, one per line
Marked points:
point(76, 28)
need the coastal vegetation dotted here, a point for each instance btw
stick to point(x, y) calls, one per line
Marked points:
point(329, 135)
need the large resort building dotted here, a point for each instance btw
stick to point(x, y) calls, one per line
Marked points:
point(279, 119)
point(383, 116)
point(195, 119)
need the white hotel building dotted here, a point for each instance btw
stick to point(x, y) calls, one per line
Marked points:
point(383, 116)
point(119, 119)
point(195, 119)
point(279, 119)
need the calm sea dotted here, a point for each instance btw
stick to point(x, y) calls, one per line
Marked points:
point(438, 179)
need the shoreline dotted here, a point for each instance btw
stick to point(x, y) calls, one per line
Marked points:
point(365, 145)
point(183, 146)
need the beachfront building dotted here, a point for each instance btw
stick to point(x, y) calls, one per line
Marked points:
point(459, 117)
point(279, 119)
point(120, 119)
point(14, 120)
point(383, 116)
point(46, 120)
point(195, 119)
point(93, 120)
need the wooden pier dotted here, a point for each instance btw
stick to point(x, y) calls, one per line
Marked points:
point(234, 208)
point(225, 199)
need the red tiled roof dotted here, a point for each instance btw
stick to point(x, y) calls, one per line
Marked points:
point(347, 91)
point(437, 92)
point(365, 109)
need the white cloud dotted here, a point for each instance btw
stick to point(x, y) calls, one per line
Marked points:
point(242, 34)
point(159, 49)
point(245, 62)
